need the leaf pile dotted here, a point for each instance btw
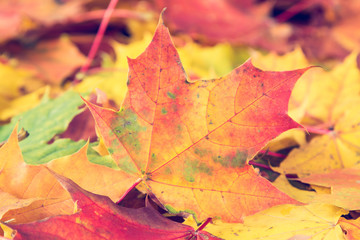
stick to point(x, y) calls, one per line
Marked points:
point(151, 144)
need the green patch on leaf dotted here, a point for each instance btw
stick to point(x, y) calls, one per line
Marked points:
point(127, 165)
point(153, 158)
point(201, 152)
point(127, 129)
point(234, 160)
point(192, 167)
point(164, 111)
point(167, 171)
point(43, 122)
point(171, 95)
point(110, 150)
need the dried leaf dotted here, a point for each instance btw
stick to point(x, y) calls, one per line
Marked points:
point(30, 183)
point(100, 218)
point(190, 141)
point(43, 122)
point(344, 184)
point(351, 228)
point(333, 113)
point(283, 222)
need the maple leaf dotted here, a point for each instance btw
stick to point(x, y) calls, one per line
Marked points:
point(236, 22)
point(283, 184)
point(22, 82)
point(9, 202)
point(52, 60)
point(99, 218)
point(34, 194)
point(19, 16)
point(47, 119)
point(332, 114)
point(351, 228)
point(189, 142)
point(284, 222)
point(333, 34)
point(344, 185)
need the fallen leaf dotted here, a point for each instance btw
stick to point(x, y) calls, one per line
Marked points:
point(9, 202)
point(100, 218)
point(8, 233)
point(24, 185)
point(333, 114)
point(304, 196)
point(210, 62)
point(21, 104)
point(298, 101)
point(344, 184)
point(43, 122)
point(22, 82)
point(29, 183)
point(52, 60)
point(315, 221)
point(190, 141)
point(19, 16)
point(230, 22)
point(331, 34)
point(351, 228)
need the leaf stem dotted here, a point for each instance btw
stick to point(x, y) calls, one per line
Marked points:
point(316, 130)
point(274, 154)
point(203, 225)
point(130, 188)
point(98, 38)
point(251, 162)
point(293, 10)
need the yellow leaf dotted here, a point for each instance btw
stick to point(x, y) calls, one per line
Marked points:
point(331, 110)
point(283, 222)
point(210, 62)
point(15, 83)
point(301, 195)
point(8, 232)
point(20, 104)
point(290, 138)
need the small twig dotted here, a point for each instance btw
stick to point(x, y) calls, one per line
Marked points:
point(274, 154)
point(293, 10)
point(204, 224)
point(252, 162)
point(317, 130)
point(98, 38)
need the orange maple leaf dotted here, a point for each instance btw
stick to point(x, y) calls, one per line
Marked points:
point(190, 142)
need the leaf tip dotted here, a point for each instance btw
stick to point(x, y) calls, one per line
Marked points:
point(161, 19)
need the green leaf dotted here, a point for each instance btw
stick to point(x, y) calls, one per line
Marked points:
point(43, 122)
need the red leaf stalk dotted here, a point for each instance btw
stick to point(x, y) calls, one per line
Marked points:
point(99, 36)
